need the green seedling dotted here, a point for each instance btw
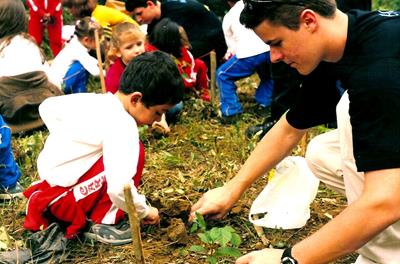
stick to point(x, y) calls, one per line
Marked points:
point(218, 243)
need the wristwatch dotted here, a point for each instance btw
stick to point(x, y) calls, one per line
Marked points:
point(287, 257)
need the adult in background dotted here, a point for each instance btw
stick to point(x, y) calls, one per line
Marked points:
point(361, 158)
point(202, 26)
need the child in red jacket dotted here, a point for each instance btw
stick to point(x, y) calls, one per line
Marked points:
point(127, 42)
point(46, 14)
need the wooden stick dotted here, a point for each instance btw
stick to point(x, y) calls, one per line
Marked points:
point(303, 145)
point(213, 68)
point(135, 225)
point(260, 233)
point(98, 55)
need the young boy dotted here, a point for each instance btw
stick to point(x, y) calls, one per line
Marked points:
point(93, 150)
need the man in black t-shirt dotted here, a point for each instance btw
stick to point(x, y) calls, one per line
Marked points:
point(287, 81)
point(202, 26)
point(362, 157)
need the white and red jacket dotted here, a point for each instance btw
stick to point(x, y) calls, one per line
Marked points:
point(82, 129)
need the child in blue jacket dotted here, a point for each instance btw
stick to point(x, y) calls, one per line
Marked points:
point(9, 170)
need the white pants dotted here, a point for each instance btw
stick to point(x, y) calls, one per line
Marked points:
point(330, 157)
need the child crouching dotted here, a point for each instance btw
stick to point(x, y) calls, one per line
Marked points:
point(93, 150)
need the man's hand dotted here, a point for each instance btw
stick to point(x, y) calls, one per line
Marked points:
point(265, 256)
point(152, 218)
point(216, 202)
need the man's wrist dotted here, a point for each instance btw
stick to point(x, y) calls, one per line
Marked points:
point(287, 257)
point(234, 189)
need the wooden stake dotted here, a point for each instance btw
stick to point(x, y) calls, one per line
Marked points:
point(213, 68)
point(303, 145)
point(260, 233)
point(98, 54)
point(135, 225)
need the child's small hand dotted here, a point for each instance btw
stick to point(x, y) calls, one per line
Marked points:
point(152, 218)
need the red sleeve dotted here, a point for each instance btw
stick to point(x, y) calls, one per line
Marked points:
point(54, 7)
point(113, 76)
point(149, 47)
point(36, 7)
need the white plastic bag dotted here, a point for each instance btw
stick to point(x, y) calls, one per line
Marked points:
point(286, 199)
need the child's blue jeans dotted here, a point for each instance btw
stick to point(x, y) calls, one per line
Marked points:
point(76, 79)
point(235, 69)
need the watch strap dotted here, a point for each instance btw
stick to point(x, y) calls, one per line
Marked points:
point(287, 257)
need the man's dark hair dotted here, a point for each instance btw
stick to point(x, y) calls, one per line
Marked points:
point(155, 75)
point(283, 12)
point(130, 5)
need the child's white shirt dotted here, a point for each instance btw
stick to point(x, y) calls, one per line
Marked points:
point(73, 51)
point(20, 56)
point(241, 41)
point(83, 127)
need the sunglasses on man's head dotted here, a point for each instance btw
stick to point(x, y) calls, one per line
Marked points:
point(251, 4)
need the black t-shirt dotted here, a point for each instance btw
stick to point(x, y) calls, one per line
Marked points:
point(370, 72)
point(202, 26)
point(346, 5)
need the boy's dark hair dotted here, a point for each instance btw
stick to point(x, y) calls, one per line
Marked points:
point(130, 5)
point(85, 7)
point(283, 12)
point(166, 37)
point(155, 75)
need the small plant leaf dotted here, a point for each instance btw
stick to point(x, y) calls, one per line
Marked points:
point(201, 222)
point(197, 248)
point(212, 260)
point(235, 240)
point(205, 238)
point(215, 233)
point(229, 228)
point(194, 227)
point(228, 251)
point(225, 237)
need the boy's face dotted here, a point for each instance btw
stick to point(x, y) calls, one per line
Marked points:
point(130, 48)
point(146, 15)
point(145, 115)
point(300, 49)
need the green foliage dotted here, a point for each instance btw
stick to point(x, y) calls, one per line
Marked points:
point(218, 242)
point(198, 223)
point(386, 4)
point(26, 150)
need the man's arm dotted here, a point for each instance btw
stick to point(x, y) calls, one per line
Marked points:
point(275, 145)
point(377, 208)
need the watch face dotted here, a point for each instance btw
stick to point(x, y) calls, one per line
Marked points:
point(288, 260)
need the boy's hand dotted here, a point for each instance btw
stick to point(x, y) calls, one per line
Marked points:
point(152, 218)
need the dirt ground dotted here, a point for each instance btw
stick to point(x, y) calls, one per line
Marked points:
point(198, 155)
